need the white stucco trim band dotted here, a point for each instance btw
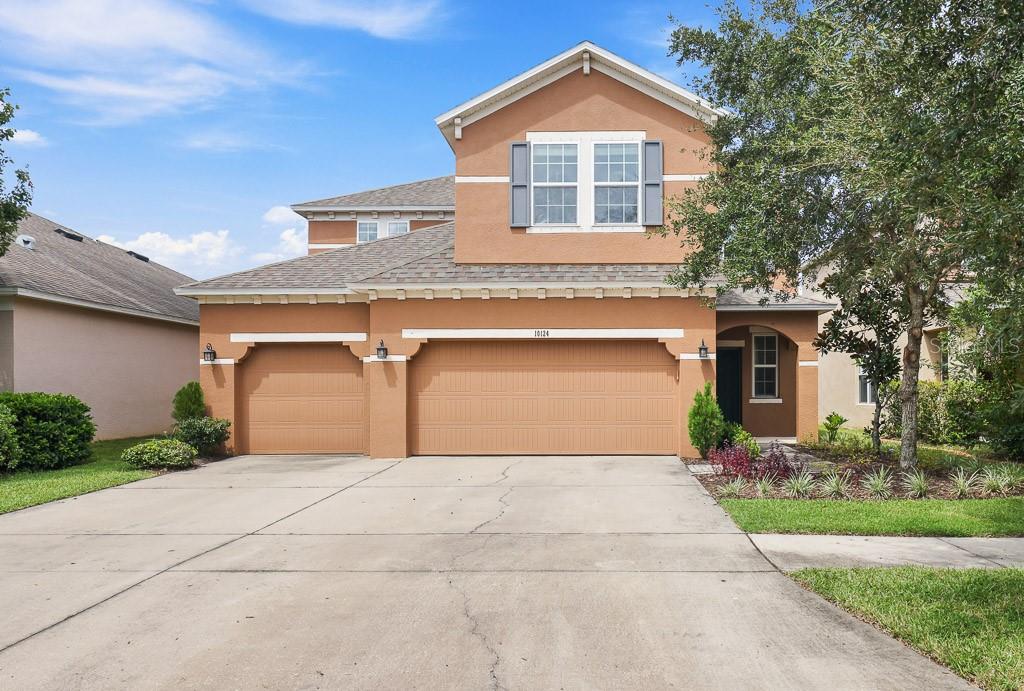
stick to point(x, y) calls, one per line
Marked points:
point(809, 363)
point(298, 337)
point(766, 400)
point(540, 333)
point(696, 356)
point(218, 361)
point(685, 177)
point(389, 358)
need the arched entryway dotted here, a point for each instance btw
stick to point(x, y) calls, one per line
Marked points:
point(757, 380)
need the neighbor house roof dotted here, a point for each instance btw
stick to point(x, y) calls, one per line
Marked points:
point(69, 267)
point(423, 258)
point(585, 56)
point(431, 194)
point(744, 300)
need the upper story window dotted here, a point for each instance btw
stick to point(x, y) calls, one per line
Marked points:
point(617, 183)
point(366, 231)
point(766, 366)
point(397, 228)
point(555, 190)
point(588, 181)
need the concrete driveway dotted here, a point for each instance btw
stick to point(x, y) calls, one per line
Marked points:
point(462, 573)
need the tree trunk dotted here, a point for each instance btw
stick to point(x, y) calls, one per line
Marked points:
point(908, 384)
point(876, 424)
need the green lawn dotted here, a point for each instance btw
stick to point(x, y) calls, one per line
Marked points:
point(19, 490)
point(971, 620)
point(938, 517)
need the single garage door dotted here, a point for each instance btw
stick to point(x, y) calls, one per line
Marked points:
point(543, 397)
point(303, 398)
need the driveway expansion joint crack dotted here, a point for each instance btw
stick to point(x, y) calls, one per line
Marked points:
point(977, 556)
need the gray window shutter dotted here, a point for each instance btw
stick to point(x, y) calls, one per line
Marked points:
point(519, 185)
point(653, 187)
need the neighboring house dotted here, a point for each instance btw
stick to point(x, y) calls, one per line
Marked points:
point(538, 322)
point(82, 317)
point(377, 214)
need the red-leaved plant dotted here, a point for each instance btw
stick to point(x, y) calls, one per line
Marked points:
point(733, 461)
point(774, 462)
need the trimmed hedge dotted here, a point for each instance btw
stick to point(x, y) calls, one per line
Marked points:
point(51, 430)
point(951, 412)
point(206, 434)
point(10, 454)
point(160, 453)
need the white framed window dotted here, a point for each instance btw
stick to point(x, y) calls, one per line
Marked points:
point(616, 183)
point(366, 231)
point(396, 228)
point(866, 393)
point(586, 181)
point(555, 184)
point(766, 366)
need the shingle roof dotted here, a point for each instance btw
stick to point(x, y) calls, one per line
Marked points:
point(751, 299)
point(92, 271)
point(422, 257)
point(435, 192)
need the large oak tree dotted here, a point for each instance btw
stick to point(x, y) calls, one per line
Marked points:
point(880, 138)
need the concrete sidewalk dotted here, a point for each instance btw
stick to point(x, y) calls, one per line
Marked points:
point(792, 552)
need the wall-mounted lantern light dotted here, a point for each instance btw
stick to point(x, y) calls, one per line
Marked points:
point(702, 350)
point(382, 350)
point(209, 354)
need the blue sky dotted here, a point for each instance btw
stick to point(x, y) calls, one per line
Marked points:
point(179, 128)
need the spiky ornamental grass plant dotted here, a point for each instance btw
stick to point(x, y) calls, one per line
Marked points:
point(764, 485)
point(833, 485)
point(964, 482)
point(734, 488)
point(878, 483)
point(995, 480)
point(916, 484)
point(799, 486)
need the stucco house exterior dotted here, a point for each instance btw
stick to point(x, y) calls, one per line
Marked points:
point(82, 317)
point(537, 320)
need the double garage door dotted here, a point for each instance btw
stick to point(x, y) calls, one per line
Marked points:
point(472, 397)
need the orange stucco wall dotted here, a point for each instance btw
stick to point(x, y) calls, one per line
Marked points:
point(126, 369)
point(573, 103)
point(336, 232)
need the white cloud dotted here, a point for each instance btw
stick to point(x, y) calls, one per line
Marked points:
point(124, 60)
point(199, 254)
point(280, 215)
point(382, 18)
point(291, 243)
point(29, 138)
point(223, 142)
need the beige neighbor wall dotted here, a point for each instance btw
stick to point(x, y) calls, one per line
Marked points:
point(839, 377)
point(125, 368)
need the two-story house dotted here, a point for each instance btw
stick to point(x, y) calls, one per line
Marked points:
point(538, 321)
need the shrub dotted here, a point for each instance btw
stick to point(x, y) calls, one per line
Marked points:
point(734, 461)
point(160, 453)
point(832, 424)
point(206, 434)
point(705, 421)
point(951, 412)
point(774, 463)
point(9, 452)
point(746, 440)
point(51, 430)
point(878, 483)
point(188, 402)
point(1004, 428)
point(799, 486)
point(734, 487)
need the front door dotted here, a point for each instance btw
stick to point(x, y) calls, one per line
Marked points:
point(729, 383)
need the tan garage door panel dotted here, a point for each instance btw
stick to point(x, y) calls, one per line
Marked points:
point(303, 398)
point(557, 397)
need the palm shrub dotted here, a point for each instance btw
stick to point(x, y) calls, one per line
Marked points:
point(189, 402)
point(705, 421)
point(833, 485)
point(206, 434)
point(916, 484)
point(9, 452)
point(832, 424)
point(878, 483)
point(160, 453)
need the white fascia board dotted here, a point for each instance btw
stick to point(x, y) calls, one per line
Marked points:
point(540, 333)
point(298, 337)
point(378, 207)
point(60, 299)
point(510, 286)
point(199, 291)
point(775, 308)
point(513, 88)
